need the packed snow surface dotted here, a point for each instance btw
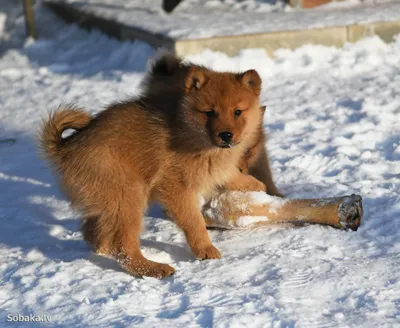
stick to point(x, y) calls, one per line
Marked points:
point(333, 118)
point(205, 19)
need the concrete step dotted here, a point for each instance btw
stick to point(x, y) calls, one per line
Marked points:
point(186, 32)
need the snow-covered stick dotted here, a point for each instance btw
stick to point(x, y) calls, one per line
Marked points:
point(241, 209)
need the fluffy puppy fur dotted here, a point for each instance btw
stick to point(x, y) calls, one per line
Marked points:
point(255, 159)
point(182, 137)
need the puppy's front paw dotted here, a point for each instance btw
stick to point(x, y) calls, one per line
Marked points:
point(252, 184)
point(246, 183)
point(258, 186)
point(207, 253)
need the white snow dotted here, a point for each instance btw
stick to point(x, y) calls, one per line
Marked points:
point(261, 198)
point(205, 19)
point(333, 119)
point(246, 221)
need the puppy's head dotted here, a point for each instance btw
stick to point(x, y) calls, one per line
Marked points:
point(225, 105)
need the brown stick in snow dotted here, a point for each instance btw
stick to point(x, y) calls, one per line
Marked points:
point(238, 209)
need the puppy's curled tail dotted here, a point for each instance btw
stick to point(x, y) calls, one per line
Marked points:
point(63, 118)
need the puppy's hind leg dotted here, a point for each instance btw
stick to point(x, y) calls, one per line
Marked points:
point(261, 170)
point(98, 237)
point(88, 228)
point(128, 222)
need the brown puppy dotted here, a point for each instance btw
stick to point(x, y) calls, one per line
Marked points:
point(255, 161)
point(176, 141)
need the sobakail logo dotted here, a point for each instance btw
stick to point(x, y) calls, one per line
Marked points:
point(28, 318)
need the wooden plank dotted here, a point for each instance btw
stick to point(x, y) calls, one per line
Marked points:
point(29, 19)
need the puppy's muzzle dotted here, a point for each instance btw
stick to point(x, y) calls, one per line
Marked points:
point(226, 138)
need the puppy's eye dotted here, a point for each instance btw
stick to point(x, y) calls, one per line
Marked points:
point(210, 113)
point(238, 112)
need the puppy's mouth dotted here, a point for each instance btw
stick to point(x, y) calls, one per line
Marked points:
point(227, 145)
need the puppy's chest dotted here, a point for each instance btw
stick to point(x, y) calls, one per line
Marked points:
point(210, 172)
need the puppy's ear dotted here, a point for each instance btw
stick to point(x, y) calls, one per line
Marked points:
point(195, 79)
point(251, 80)
point(166, 65)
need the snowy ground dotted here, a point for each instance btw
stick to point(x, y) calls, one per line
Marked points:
point(334, 122)
point(195, 19)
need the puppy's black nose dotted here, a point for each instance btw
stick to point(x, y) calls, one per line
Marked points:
point(226, 136)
